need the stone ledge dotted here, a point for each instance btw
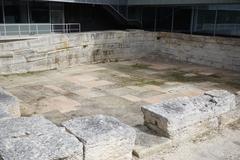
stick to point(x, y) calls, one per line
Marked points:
point(148, 143)
point(9, 105)
point(104, 138)
point(185, 117)
point(36, 138)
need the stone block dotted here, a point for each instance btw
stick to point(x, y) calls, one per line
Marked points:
point(148, 143)
point(238, 100)
point(183, 117)
point(36, 138)
point(104, 138)
point(9, 105)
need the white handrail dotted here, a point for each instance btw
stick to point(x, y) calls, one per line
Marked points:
point(20, 29)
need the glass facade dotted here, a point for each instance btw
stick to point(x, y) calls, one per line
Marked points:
point(223, 20)
point(1, 11)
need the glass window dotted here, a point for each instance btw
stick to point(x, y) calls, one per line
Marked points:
point(228, 23)
point(182, 20)
point(164, 19)
point(15, 11)
point(1, 11)
point(148, 18)
point(39, 12)
point(204, 21)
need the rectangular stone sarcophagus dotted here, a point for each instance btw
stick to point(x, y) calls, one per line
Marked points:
point(104, 137)
point(36, 138)
point(185, 117)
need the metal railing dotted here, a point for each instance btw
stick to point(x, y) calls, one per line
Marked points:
point(223, 29)
point(23, 29)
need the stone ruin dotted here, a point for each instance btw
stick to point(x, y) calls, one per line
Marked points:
point(9, 105)
point(103, 137)
point(185, 117)
point(106, 138)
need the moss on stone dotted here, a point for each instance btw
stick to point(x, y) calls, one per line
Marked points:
point(140, 66)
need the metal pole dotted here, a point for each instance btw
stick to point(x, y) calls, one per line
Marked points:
point(4, 20)
point(29, 18)
point(196, 20)
point(142, 8)
point(215, 23)
point(19, 30)
point(192, 19)
point(50, 12)
point(37, 29)
point(172, 27)
point(155, 19)
point(3, 11)
point(28, 12)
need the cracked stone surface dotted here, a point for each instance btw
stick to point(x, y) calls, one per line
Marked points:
point(9, 105)
point(188, 116)
point(104, 137)
point(95, 95)
point(36, 138)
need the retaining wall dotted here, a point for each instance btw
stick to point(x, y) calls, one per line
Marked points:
point(64, 50)
point(216, 52)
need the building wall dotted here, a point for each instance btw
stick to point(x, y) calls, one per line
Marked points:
point(179, 2)
point(211, 20)
point(64, 50)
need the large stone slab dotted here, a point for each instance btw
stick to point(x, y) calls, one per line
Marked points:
point(185, 117)
point(104, 137)
point(36, 138)
point(9, 105)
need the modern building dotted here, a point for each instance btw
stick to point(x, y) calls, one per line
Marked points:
point(210, 17)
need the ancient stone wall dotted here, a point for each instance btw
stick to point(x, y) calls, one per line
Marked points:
point(186, 117)
point(63, 50)
point(217, 52)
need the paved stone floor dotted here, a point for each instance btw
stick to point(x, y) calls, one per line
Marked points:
point(224, 145)
point(118, 89)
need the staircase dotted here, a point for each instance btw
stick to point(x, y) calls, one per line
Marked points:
point(121, 19)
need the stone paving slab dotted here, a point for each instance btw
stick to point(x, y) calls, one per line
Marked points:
point(104, 137)
point(162, 66)
point(121, 91)
point(148, 94)
point(60, 103)
point(89, 93)
point(148, 143)
point(131, 98)
point(56, 89)
point(9, 105)
point(159, 98)
point(96, 83)
point(138, 89)
point(174, 117)
point(36, 138)
point(79, 79)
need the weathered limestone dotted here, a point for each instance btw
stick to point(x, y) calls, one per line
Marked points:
point(64, 50)
point(36, 138)
point(185, 117)
point(219, 52)
point(9, 105)
point(148, 143)
point(238, 98)
point(104, 138)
